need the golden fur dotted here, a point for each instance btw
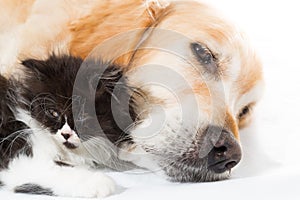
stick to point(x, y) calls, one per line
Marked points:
point(139, 35)
point(86, 24)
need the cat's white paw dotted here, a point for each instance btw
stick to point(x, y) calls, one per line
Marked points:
point(98, 185)
point(105, 187)
point(83, 183)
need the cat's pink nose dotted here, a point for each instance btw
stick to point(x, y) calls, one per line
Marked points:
point(66, 135)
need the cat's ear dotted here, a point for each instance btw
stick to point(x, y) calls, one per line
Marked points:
point(35, 66)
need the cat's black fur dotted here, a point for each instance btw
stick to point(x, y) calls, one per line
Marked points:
point(29, 188)
point(13, 133)
point(49, 86)
point(91, 96)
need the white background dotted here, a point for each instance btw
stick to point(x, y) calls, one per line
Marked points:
point(271, 165)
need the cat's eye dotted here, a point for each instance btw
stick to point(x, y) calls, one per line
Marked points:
point(54, 113)
point(204, 56)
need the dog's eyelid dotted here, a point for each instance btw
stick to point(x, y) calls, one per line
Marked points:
point(246, 110)
point(205, 57)
point(206, 48)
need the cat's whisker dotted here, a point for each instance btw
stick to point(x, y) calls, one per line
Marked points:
point(13, 134)
point(2, 119)
point(13, 142)
point(113, 95)
point(20, 134)
point(62, 112)
point(125, 136)
point(106, 154)
point(43, 102)
point(67, 105)
point(94, 145)
point(64, 97)
point(42, 96)
point(122, 139)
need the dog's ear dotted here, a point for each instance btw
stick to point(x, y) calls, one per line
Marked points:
point(103, 32)
point(155, 8)
point(154, 11)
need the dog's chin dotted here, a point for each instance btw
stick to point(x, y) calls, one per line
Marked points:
point(180, 172)
point(176, 169)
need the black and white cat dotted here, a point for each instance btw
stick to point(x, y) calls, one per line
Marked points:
point(67, 105)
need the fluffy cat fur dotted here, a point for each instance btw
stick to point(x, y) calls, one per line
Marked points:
point(57, 98)
point(13, 133)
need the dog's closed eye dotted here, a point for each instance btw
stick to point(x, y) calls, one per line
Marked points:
point(244, 114)
point(204, 57)
point(245, 111)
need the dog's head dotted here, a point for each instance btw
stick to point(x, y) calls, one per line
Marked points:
point(197, 81)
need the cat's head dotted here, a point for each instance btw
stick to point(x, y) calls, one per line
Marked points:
point(71, 98)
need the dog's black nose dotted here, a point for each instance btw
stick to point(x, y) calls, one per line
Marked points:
point(226, 152)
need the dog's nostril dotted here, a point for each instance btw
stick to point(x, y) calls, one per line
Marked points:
point(231, 165)
point(220, 151)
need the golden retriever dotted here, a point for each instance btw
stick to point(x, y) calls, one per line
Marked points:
point(197, 76)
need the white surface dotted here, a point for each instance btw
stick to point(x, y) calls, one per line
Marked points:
point(271, 165)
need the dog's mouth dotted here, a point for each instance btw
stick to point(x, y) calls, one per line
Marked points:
point(209, 154)
point(196, 172)
point(223, 166)
point(210, 158)
point(191, 169)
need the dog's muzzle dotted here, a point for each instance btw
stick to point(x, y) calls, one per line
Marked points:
point(210, 158)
